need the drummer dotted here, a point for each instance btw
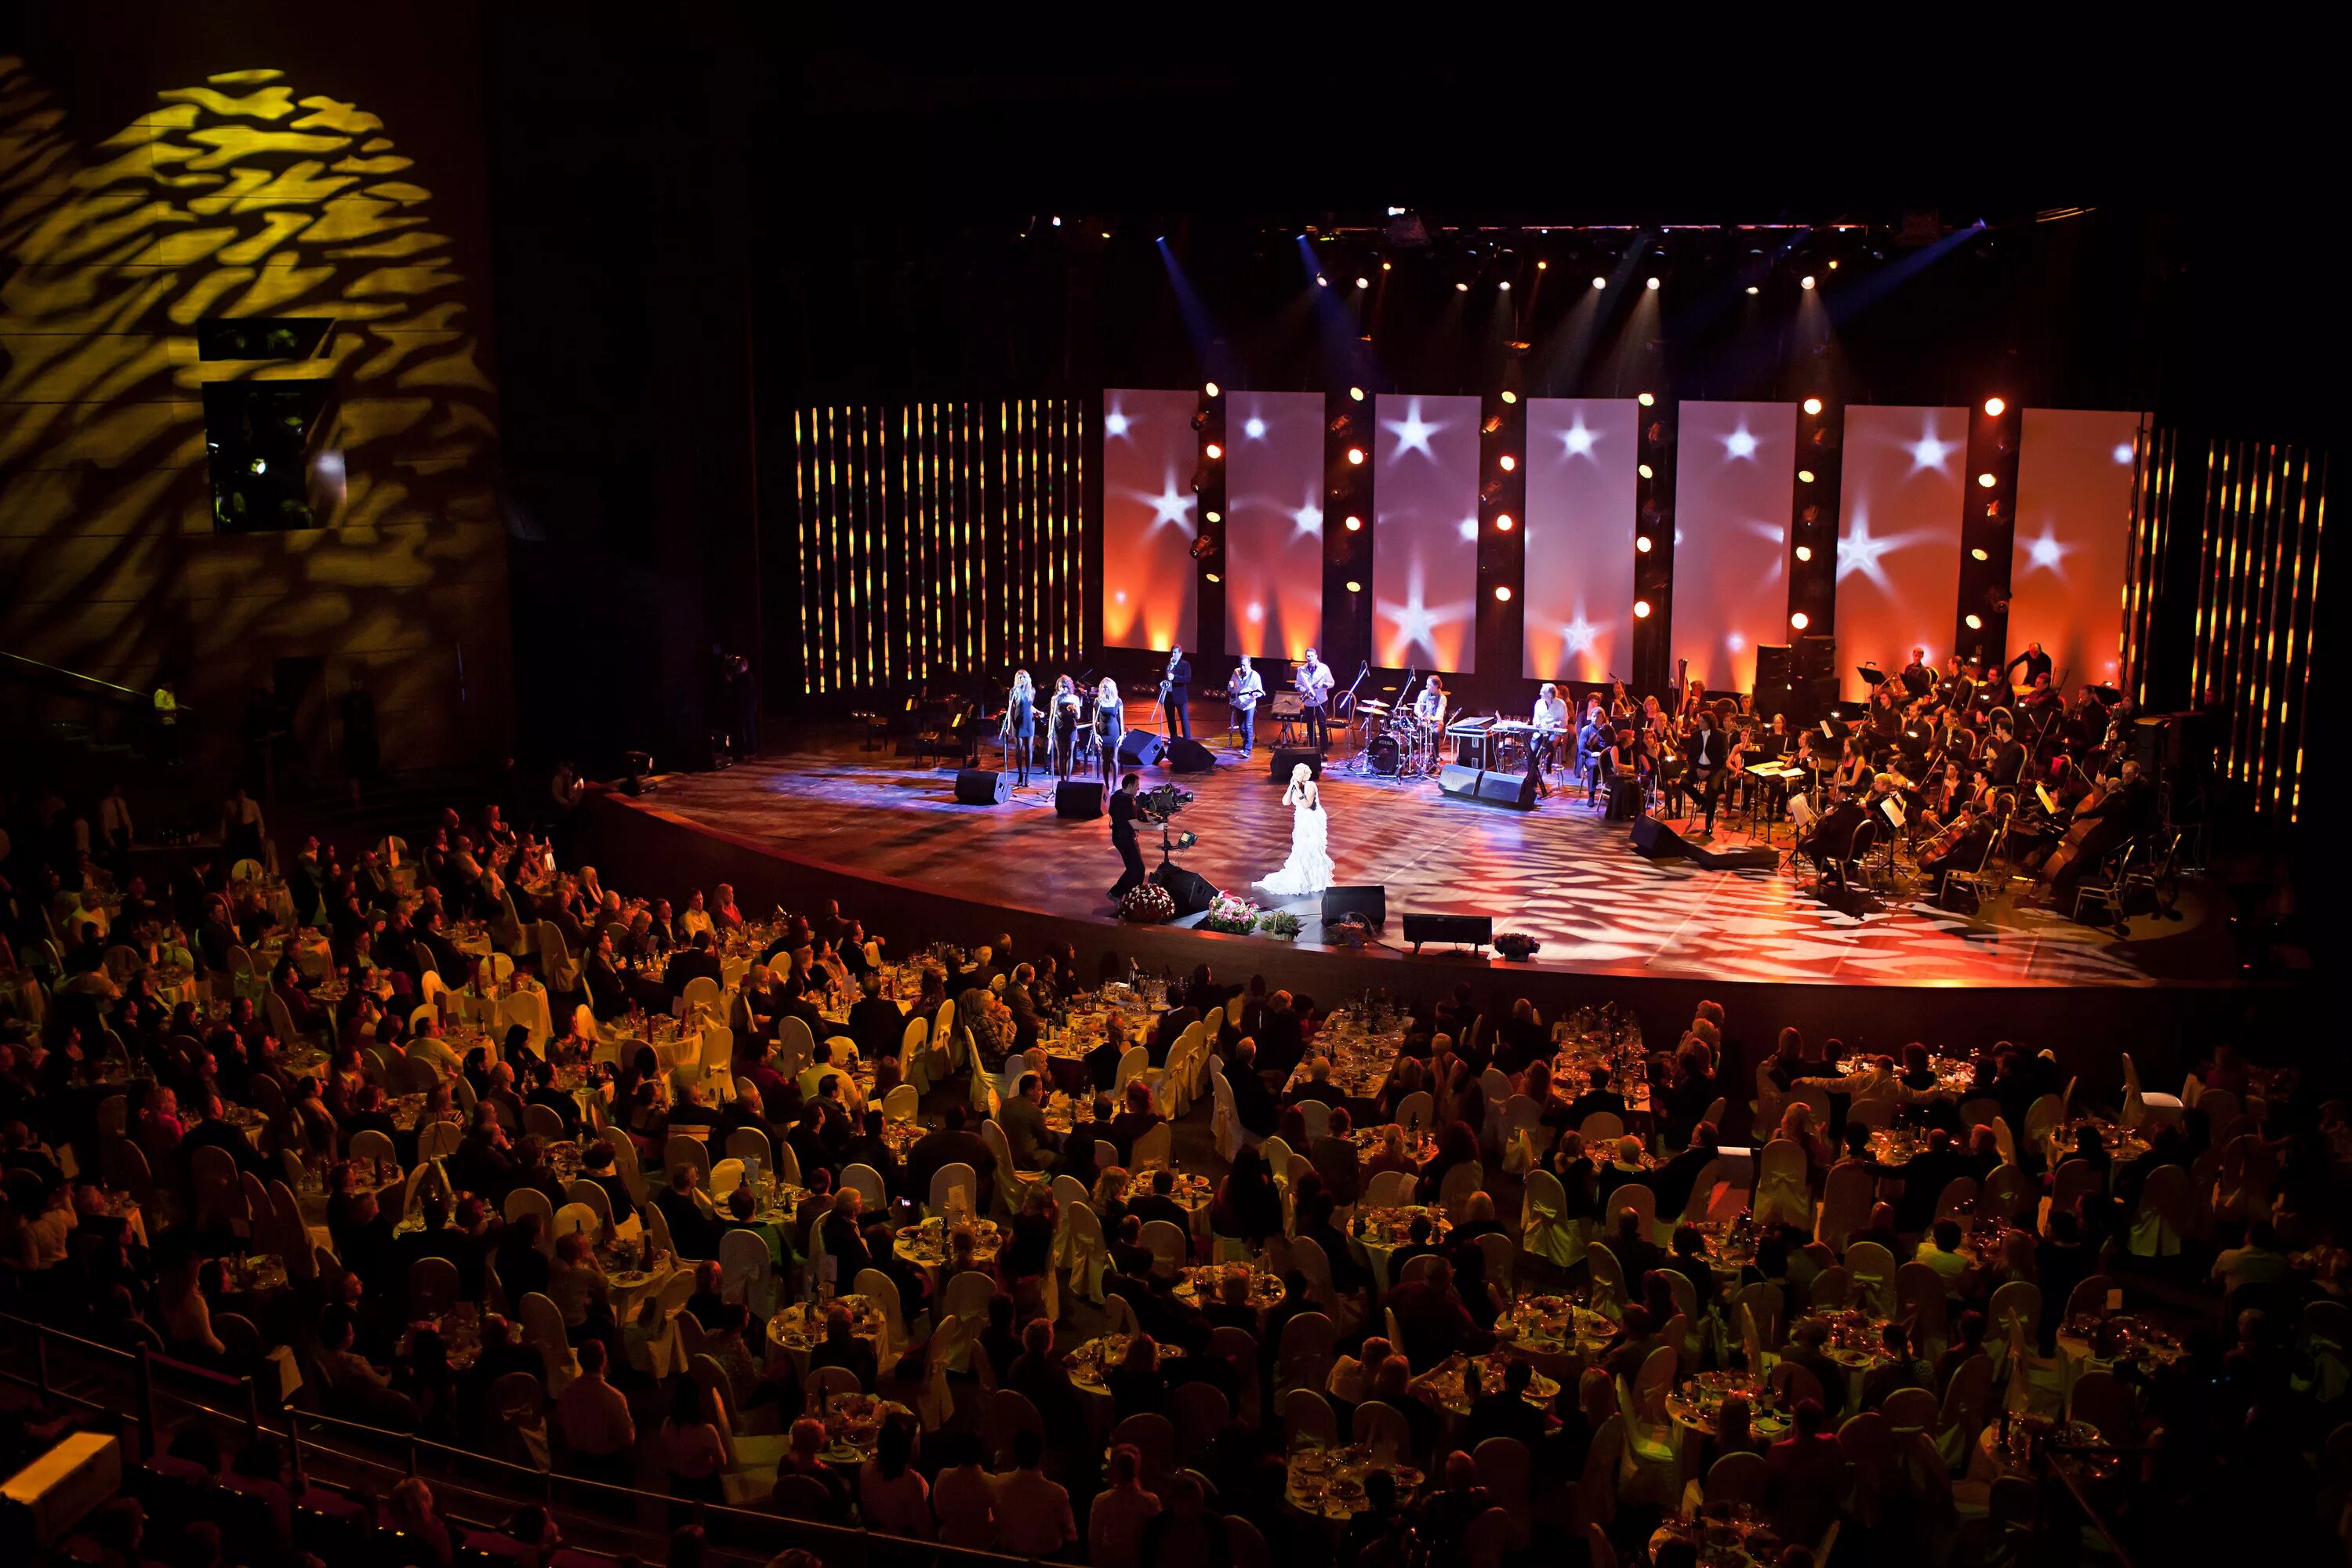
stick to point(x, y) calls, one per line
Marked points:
point(1430, 706)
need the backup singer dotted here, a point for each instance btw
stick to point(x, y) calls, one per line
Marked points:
point(1111, 727)
point(1246, 688)
point(1064, 720)
point(1315, 681)
point(1176, 692)
point(1019, 731)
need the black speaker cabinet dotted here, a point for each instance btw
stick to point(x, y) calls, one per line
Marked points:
point(1286, 758)
point(1186, 755)
point(1140, 749)
point(1657, 841)
point(1470, 930)
point(1516, 791)
point(1191, 891)
point(982, 786)
point(1372, 902)
point(1081, 799)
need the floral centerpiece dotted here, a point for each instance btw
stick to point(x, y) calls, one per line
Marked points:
point(1517, 944)
point(1232, 913)
point(1147, 904)
point(1281, 924)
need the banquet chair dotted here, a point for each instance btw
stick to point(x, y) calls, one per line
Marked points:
point(1106, 1154)
point(2003, 1193)
point(2089, 1295)
point(1832, 1290)
point(1380, 1425)
point(577, 1218)
point(531, 1200)
point(1783, 1197)
point(1229, 1136)
point(1873, 1271)
point(1874, 1112)
point(413, 1075)
point(883, 1292)
point(1632, 1199)
point(795, 1047)
point(1765, 1307)
point(1502, 1260)
point(1958, 1197)
point(903, 1103)
point(700, 992)
point(1281, 1163)
point(1911, 1409)
point(542, 1331)
point(913, 1054)
point(433, 1287)
point(216, 1196)
point(1170, 1248)
point(1389, 1189)
point(2109, 1405)
point(2074, 1180)
point(1012, 1181)
point(1790, 1382)
point(541, 1121)
point(1416, 1112)
point(371, 1144)
point(1306, 1353)
point(2163, 1214)
point(949, 1180)
point(595, 1198)
point(747, 1144)
point(825, 1383)
point(718, 1059)
point(683, 1149)
point(624, 1162)
point(1198, 1411)
point(1741, 1478)
point(747, 1271)
point(1607, 1276)
point(867, 1183)
point(1134, 1063)
point(1307, 1413)
point(1596, 1486)
point(1424, 1267)
point(1602, 1126)
point(1920, 1302)
point(1318, 1117)
point(967, 1295)
point(1009, 1412)
point(1865, 1439)
point(1154, 1148)
point(656, 1226)
point(2042, 1119)
point(1966, 1399)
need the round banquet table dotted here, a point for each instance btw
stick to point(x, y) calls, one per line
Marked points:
point(1328, 1484)
point(1089, 1364)
point(928, 1246)
point(800, 1328)
point(1445, 1387)
point(1380, 1232)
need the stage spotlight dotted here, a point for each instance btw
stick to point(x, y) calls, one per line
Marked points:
point(1503, 593)
point(1813, 405)
point(1505, 285)
point(1979, 553)
point(1508, 462)
point(1543, 266)
point(1600, 283)
point(1641, 543)
point(1503, 524)
point(1057, 223)
point(1363, 282)
point(1213, 389)
point(1213, 451)
point(1644, 399)
point(1354, 586)
point(1986, 481)
point(1651, 284)
point(1321, 281)
point(1993, 407)
point(1509, 396)
point(1462, 288)
point(1215, 578)
point(1804, 553)
point(1356, 393)
point(1804, 476)
point(1645, 470)
point(1640, 609)
point(1976, 623)
point(1834, 264)
point(1801, 620)
point(1388, 266)
point(1355, 456)
point(1806, 282)
point(1751, 288)
point(1354, 523)
point(1254, 428)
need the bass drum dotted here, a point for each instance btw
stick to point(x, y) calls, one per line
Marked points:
point(1384, 756)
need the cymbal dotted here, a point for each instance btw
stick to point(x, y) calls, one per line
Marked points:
point(1371, 707)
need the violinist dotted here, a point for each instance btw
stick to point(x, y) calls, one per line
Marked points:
point(2004, 758)
point(1621, 706)
point(1956, 693)
point(1944, 797)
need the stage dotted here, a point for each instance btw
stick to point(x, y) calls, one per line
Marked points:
point(1560, 873)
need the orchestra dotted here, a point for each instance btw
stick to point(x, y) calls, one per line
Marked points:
point(1942, 766)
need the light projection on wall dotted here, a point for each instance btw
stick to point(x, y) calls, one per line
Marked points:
point(1898, 551)
point(1273, 523)
point(243, 197)
point(1582, 462)
point(1150, 517)
point(1425, 542)
point(2072, 543)
point(1732, 537)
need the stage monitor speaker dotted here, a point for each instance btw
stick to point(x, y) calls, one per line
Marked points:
point(1191, 891)
point(1654, 840)
point(1081, 799)
point(1733, 857)
point(1288, 757)
point(1372, 902)
point(1140, 749)
point(1516, 791)
point(1186, 755)
point(982, 786)
point(1470, 930)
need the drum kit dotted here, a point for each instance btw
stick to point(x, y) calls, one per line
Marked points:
point(1394, 744)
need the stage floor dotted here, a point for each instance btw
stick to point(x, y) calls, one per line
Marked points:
point(1561, 874)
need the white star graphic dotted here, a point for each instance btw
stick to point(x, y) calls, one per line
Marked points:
point(1414, 624)
point(1580, 634)
point(1171, 505)
point(1309, 519)
point(1578, 439)
point(2046, 555)
point(1114, 423)
point(1738, 444)
point(1858, 552)
point(1470, 529)
point(1927, 452)
point(1413, 433)
point(1254, 428)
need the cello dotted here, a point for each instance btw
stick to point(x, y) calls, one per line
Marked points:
point(2070, 844)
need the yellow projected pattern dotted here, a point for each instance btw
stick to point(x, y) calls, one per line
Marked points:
point(242, 197)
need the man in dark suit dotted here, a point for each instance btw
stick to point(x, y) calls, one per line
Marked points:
point(1280, 1041)
point(692, 962)
point(1172, 1024)
point(1674, 1181)
point(1596, 1098)
point(1707, 751)
point(1021, 1003)
point(876, 1024)
point(1157, 1203)
point(1924, 1179)
point(953, 1144)
point(1252, 1102)
point(1334, 1156)
point(1179, 676)
point(446, 957)
point(1126, 810)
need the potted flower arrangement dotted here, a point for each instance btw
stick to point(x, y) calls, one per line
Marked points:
point(1517, 944)
point(1147, 904)
point(1282, 925)
point(1231, 913)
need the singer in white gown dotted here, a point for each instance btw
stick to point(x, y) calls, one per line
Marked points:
point(1308, 869)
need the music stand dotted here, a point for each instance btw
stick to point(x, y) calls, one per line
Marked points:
point(1872, 676)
